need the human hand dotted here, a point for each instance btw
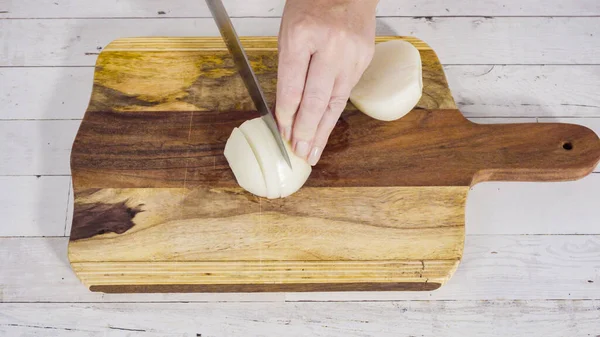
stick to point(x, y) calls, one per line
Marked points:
point(324, 47)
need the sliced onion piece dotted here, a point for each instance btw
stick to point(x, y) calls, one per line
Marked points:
point(243, 163)
point(292, 179)
point(392, 85)
point(279, 179)
point(266, 151)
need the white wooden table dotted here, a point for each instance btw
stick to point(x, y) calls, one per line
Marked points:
point(532, 258)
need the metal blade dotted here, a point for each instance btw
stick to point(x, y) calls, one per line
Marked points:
point(241, 61)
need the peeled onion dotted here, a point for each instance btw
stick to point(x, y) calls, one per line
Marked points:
point(392, 85)
point(247, 172)
point(259, 166)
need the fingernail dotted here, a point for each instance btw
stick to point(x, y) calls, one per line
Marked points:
point(287, 133)
point(315, 155)
point(302, 148)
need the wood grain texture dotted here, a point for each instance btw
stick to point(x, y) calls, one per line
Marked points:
point(151, 181)
point(36, 147)
point(493, 267)
point(268, 8)
point(498, 40)
point(380, 237)
point(525, 91)
point(551, 318)
point(33, 205)
point(507, 91)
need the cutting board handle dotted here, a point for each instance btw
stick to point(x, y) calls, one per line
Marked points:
point(536, 152)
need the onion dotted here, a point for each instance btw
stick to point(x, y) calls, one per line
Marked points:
point(392, 85)
point(259, 166)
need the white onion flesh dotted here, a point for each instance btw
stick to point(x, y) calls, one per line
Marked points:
point(265, 149)
point(392, 85)
point(257, 148)
point(292, 179)
point(244, 165)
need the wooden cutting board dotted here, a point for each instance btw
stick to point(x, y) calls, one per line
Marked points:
point(158, 210)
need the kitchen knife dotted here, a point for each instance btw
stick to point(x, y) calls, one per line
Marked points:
point(241, 61)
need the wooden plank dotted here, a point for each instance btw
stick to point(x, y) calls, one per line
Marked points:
point(508, 267)
point(33, 206)
point(592, 123)
point(188, 8)
point(185, 88)
point(26, 151)
point(157, 151)
point(36, 147)
point(473, 89)
point(402, 318)
point(70, 207)
point(493, 267)
point(517, 208)
point(151, 144)
point(45, 93)
point(534, 91)
point(522, 208)
point(530, 40)
point(267, 245)
point(54, 281)
point(502, 120)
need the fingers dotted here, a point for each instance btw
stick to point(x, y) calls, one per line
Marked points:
point(337, 103)
point(315, 100)
point(291, 76)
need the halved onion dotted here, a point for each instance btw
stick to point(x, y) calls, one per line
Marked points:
point(392, 85)
point(278, 179)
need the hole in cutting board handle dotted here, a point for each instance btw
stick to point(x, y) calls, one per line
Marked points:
point(567, 146)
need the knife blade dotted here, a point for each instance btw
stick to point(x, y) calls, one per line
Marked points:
point(243, 65)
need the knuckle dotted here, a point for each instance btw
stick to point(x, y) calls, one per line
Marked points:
point(314, 103)
point(338, 103)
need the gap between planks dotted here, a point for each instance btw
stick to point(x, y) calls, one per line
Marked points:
point(428, 18)
point(504, 36)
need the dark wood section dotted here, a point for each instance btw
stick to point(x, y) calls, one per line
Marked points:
point(250, 288)
point(424, 148)
point(98, 218)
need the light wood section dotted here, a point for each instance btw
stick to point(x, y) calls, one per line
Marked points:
point(372, 235)
point(157, 208)
point(260, 273)
point(493, 267)
point(198, 74)
point(250, 43)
